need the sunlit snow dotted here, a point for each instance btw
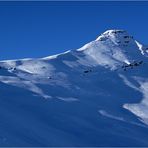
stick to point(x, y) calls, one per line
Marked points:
point(96, 95)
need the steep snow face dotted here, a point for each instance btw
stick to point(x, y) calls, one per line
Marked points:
point(111, 49)
point(93, 96)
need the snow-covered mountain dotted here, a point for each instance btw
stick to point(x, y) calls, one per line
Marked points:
point(93, 96)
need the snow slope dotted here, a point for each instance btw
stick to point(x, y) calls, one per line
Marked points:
point(93, 96)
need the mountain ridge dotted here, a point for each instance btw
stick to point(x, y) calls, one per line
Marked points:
point(92, 96)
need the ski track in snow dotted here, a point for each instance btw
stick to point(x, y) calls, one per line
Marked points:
point(104, 113)
point(108, 115)
point(67, 99)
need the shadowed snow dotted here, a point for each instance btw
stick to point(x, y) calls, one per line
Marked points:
point(96, 96)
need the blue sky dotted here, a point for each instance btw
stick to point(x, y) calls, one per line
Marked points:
point(38, 29)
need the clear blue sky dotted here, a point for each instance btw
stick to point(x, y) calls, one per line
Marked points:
point(38, 29)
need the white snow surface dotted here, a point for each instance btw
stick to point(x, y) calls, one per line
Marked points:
point(96, 95)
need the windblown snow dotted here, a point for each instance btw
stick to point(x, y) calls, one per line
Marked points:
point(93, 96)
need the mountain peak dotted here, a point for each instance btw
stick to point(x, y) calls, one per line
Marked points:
point(113, 48)
point(121, 37)
point(115, 31)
